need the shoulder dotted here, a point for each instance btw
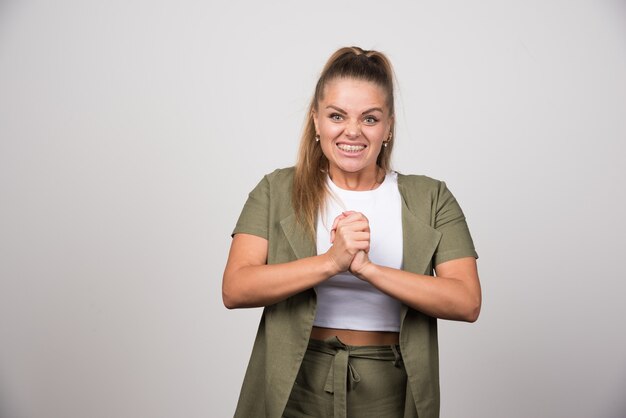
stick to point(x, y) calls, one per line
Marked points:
point(274, 189)
point(279, 179)
point(278, 182)
point(419, 186)
point(269, 197)
point(428, 198)
point(281, 176)
point(418, 180)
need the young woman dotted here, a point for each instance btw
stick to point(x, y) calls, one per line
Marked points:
point(341, 251)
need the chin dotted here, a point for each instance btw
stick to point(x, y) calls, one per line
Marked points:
point(352, 168)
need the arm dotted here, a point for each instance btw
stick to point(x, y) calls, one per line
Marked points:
point(454, 294)
point(250, 282)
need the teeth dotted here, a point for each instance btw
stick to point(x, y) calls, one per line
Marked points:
point(350, 148)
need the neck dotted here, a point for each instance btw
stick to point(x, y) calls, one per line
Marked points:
point(360, 181)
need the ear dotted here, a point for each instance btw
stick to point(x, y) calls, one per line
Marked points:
point(315, 121)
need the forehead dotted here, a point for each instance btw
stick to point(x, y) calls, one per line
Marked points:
point(353, 92)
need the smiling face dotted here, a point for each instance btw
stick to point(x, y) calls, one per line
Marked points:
point(352, 120)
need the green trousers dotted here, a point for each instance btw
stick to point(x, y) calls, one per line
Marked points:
point(342, 381)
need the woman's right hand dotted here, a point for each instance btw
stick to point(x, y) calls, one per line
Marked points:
point(349, 234)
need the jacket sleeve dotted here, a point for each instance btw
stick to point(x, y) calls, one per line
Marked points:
point(456, 241)
point(254, 217)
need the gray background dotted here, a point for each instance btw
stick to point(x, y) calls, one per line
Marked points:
point(132, 131)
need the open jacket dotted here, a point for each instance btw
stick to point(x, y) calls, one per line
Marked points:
point(434, 231)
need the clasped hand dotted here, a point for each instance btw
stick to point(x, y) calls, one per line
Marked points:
point(350, 236)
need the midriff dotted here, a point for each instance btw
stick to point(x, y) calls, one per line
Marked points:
point(353, 337)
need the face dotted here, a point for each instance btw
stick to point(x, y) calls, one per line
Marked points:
point(352, 120)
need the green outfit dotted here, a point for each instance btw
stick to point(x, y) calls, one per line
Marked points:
point(344, 381)
point(434, 231)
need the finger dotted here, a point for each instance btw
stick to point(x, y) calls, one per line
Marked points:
point(352, 213)
point(338, 218)
point(355, 216)
point(362, 246)
point(357, 240)
point(336, 222)
point(360, 237)
point(347, 226)
point(333, 228)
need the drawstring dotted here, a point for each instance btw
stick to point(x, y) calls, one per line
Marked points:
point(396, 354)
point(342, 376)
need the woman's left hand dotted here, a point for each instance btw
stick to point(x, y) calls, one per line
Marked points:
point(359, 262)
point(453, 294)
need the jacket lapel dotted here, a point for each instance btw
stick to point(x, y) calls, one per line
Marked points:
point(419, 242)
point(300, 242)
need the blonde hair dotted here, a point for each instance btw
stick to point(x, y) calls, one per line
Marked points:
point(309, 183)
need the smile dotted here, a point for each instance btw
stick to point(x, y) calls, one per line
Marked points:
point(351, 148)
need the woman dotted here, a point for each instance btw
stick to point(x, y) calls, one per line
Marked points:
point(340, 251)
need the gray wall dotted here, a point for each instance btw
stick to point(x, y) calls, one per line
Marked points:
point(132, 131)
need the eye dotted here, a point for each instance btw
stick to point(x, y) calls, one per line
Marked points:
point(370, 120)
point(336, 117)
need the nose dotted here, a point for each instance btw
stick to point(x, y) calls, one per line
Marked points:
point(353, 129)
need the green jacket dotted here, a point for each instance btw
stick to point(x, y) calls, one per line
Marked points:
point(434, 231)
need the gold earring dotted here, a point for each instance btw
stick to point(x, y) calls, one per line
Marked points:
point(388, 139)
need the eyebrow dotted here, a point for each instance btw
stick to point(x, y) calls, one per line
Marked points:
point(340, 110)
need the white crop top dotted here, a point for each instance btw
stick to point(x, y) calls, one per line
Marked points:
point(345, 301)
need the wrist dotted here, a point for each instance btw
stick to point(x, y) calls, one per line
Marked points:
point(331, 268)
point(367, 271)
